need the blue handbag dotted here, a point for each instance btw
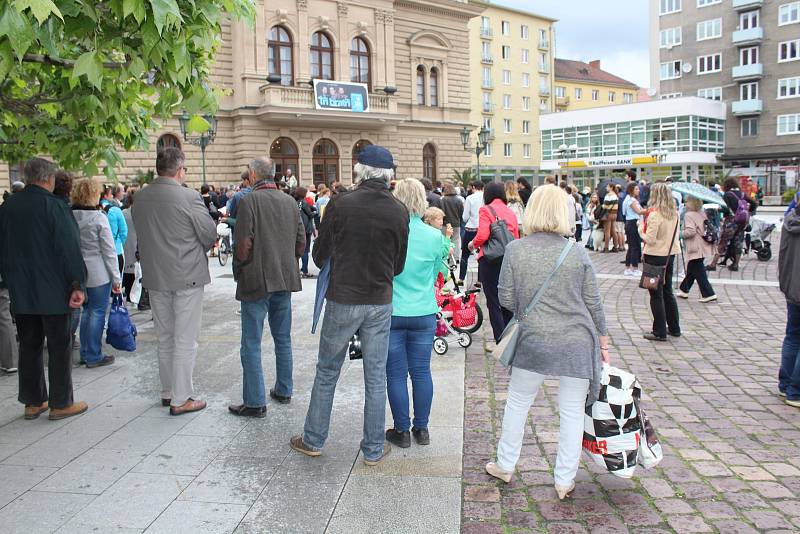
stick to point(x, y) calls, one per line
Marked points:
point(121, 332)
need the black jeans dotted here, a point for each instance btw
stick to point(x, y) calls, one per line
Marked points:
point(579, 232)
point(634, 254)
point(32, 330)
point(489, 276)
point(121, 263)
point(127, 284)
point(662, 300)
point(469, 235)
point(696, 270)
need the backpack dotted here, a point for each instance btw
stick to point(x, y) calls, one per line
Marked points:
point(709, 232)
point(499, 236)
point(742, 214)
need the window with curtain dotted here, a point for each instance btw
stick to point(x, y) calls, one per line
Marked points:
point(359, 62)
point(280, 59)
point(420, 85)
point(321, 56)
point(429, 162)
point(433, 79)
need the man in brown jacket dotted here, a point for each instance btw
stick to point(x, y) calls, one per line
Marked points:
point(269, 238)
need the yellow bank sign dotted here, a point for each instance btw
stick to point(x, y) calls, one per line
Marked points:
point(610, 161)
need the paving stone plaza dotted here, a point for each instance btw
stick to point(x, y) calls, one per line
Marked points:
point(731, 446)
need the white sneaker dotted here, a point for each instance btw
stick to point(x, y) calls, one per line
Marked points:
point(682, 294)
point(709, 299)
point(9, 370)
point(637, 273)
point(628, 272)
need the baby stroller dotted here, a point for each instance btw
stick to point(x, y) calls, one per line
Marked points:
point(459, 314)
point(757, 238)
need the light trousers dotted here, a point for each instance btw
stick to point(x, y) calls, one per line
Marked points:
point(177, 316)
point(9, 348)
point(522, 391)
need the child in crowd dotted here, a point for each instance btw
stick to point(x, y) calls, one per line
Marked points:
point(435, 217)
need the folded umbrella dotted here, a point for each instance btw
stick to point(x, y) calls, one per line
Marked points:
point(323, 280)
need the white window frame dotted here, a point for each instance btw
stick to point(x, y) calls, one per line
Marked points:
point(526, 127)
point(792, 86)
point(505, 52)
point(506, 101)
point(627, 98)
point(666, 7)
point(749, 121)
point(578, 93)
point(673, 63)
point(711, 93)
point(508, 150)
point(523, 32)
point(486, 76)
point(487, 152)
point(507, 126)
point(667, 96)
point(750, 19)
point(525, 56)
point(746, 56)
point(561, 91)
point(788, 119)
point(526, 79)
point(506, 77)
point(788, 44)
point(670, 37)
point(526, 151)
point(526, 103)
point(706, 3)
point(716, 60)
point(748, 91)
point(709, 29)
point(612, 97)
point(792, 8)
point(505, 27)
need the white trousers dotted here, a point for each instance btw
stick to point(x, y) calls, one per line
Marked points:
point(177, 316)
point(522, 391)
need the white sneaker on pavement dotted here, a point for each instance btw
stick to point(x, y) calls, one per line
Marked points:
point(682, 294)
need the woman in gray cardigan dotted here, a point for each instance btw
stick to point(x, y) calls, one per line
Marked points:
point(564, 336)
point(100, 256)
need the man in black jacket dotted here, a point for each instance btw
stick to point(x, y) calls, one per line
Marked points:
point(453, 206)
point(364, 235)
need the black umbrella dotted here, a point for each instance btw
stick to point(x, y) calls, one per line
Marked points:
point(602, 188)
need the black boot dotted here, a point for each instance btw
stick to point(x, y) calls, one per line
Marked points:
point(401, 439)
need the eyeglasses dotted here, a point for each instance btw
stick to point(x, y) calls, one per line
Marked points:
point(185, 168)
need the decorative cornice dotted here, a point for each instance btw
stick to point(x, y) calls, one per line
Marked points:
point(342, 8)
point(302, 5)
point(386, 17)
point(461, 11)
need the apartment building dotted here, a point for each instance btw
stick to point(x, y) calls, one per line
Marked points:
point(580, 85)
point(745, 53)
point(511, 64)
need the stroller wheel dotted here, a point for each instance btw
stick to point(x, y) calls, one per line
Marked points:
point(440, 346)
point(474, 327)
point(464, 339)
point(765, 254)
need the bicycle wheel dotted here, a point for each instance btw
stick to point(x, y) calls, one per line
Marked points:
point(224, 251)
point(473, 328)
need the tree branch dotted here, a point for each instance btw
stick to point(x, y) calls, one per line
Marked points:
point(47, 60)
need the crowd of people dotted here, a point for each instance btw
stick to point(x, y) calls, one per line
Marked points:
point(67, 245)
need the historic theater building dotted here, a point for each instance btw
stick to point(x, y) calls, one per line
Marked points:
point(408, 60)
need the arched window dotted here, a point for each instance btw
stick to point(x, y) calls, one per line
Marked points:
point(429, 162)
point(280, 54)
point(433, 92)
point(167, 141)
point(325, 162)
point(283, 152)
point(321, 56)
point(420, 85)
point(359, 61)
point(358, 147)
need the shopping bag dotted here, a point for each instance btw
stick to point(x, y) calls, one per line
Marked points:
point(136, 289)
point(612, 427)
point(121, 332)
point(650, 452)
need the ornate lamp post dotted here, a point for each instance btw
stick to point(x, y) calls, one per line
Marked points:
point(480, 144)
point(659, 156)
point(567, 152)
point(202, 140)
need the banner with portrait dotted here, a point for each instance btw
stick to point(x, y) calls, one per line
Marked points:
point(341, 96)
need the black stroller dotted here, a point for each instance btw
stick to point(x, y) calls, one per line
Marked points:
point(756, 238)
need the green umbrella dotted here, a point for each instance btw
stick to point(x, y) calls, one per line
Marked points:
point(698, 191)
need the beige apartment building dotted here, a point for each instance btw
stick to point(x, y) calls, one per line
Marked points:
point(580, 85)
point(511, 66)
point(400, 70)
point(745, 53)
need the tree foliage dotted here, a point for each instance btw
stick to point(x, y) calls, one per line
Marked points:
point(80, 78)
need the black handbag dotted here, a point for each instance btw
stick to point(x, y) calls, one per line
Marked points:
point(653, 275)
point(499, 237)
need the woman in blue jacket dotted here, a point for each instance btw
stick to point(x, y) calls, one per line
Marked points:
point(119, 228)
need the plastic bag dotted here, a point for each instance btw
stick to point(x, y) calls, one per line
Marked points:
point(650, 452)
point(121, 332)
point(136, 289)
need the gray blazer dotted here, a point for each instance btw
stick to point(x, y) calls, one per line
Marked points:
point(97, 247)
point(129, 249)
point(560, 337)
point(174, 230)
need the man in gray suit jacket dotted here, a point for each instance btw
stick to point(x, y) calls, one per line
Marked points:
point(174, 230)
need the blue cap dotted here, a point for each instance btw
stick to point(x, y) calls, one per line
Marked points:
point(376, 156)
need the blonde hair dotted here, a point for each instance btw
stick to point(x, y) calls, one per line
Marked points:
point(86, 192)
point(547, 211)
point(411, 193)
point(512, 193)
point(661, 200)
point(431, 214)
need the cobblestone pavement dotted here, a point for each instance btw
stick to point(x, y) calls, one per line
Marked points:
point(732, 447)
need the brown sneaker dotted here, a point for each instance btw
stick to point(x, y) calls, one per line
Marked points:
point(387, 448)
point(32, 412)
point(299, 445)
point(190, 405)
point(76, 408)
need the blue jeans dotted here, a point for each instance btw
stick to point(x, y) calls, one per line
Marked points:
point(93, 322)
point(341, 321)
point(304, 258)
point(789, 375)
point(410, 344)
point(277, 308)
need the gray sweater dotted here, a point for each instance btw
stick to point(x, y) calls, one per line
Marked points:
point(97, 247)
point(789, 258)
point(560, 336)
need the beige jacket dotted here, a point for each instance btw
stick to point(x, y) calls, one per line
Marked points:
point(695, 247)
point(659, 231)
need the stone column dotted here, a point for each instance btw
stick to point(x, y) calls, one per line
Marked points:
point(302, 43)
point(380, 51)
point(342, 54)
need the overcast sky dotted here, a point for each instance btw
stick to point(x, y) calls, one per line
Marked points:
point(613, 31)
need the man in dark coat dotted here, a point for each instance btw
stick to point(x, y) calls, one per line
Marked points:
point(43, 267)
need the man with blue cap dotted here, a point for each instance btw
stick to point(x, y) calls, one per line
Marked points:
point(364, 235)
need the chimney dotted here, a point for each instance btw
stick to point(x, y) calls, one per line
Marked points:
point(595, 64)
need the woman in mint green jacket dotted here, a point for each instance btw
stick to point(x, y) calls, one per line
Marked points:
point(413, 322)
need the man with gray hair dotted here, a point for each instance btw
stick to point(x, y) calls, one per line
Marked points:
point(42, 265)
point(364, 236)
point(174, 231)
point(269, 238)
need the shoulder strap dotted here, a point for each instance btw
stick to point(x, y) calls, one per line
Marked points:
point(540, 292)
point(494, 213)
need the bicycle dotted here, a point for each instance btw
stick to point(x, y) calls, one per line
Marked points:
point(224, 249)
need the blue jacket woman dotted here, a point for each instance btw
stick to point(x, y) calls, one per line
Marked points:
point(119, 228)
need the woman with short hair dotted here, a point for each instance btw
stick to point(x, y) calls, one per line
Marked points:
point(413, 321)
point(103, 274)
point(571, 303)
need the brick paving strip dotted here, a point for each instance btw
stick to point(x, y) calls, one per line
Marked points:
point(732, 448)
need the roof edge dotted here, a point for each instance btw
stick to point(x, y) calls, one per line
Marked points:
point(512, 10)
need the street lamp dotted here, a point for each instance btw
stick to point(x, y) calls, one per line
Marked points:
point(480, 144)
point(202, 140)
point(659, 155)
point(567, 152)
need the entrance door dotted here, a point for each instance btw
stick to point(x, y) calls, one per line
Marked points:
point(325, 162)
point(283, 153)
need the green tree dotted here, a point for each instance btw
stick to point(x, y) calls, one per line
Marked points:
point(80, 78)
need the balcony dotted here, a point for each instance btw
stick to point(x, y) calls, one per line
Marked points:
point(562, 101)
point(544, 91)
point(488, 107)
point(749, 36)
point(748, 72)
point(491, 133)
point(544, 69)
point(544, 45)
point(486, 33)
point(743, 5)
point(487, 84)
point(747, 107)
point(487, 60)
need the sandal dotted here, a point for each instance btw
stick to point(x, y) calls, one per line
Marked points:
point(190, 405)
